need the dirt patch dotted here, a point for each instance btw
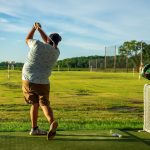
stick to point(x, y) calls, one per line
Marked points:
point(83, 92)
point(123, 109)
point(11, 85)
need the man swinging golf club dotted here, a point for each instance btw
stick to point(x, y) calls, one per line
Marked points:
point(35, 77)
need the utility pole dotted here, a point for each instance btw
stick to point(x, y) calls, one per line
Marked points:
point(127, 59)
point(105, 58)
point(96, 64)
point(141, 63)
point(115, 59)
point(8, 70)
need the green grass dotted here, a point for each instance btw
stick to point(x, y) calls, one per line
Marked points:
point(81, 100)
point(73, 140)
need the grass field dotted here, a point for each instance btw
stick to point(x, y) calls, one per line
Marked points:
point(76, 140)
point(81, 100)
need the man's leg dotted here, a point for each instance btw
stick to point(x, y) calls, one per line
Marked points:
point(34, 114)
point(48, 112)
point(29, 91)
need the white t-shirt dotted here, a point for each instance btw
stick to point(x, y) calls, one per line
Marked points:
point(41, 58)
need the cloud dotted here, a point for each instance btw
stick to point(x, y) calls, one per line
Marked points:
point(86, 25)
point(85, 31)
point(2, 38)
point(83, 44)
point(10, 27)
point(113, 19)
point(3, 20)
point(10, 7)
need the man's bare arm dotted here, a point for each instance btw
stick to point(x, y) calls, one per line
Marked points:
point(30, 35)
point(43, 35)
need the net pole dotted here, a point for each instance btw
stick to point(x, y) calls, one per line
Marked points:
point(115, 59)
point(105, 58)
point(141, 61)
point(127, 60)
point(8, 69)
point(91, 68)
point(89, 65)
point(58, 68)
point(133, 71)
point(96, 64)
point(141, 53)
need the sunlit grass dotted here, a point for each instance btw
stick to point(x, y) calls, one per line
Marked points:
point(81, 100)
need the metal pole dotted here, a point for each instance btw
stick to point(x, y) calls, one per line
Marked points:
point(91, 68)
point(8, 76)
point(96, 64)
point(89, 65)
point(58, 68)
point(133, 71)
point(105, 58)
point(115, 59)
point(127, 60)
point(141, 53)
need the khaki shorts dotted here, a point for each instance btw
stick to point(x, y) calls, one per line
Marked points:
point(36, 93)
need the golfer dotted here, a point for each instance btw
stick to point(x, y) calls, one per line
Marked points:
point(35, 77)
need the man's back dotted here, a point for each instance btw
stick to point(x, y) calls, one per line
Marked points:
point(41, 58)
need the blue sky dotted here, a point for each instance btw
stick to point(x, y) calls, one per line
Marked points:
point(85, 26)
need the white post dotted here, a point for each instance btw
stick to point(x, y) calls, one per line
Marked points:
point(133, 71)
point(115, 59)
point(140, 70)
point(91, 68)
point(96, 64)
point(12, 65)
point(8, 69)
point(58, 68)
point(105, 58)
point(141, 53)
point(127, 60)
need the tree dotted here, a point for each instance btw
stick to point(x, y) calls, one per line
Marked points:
point(146, 53)
point(132, 50)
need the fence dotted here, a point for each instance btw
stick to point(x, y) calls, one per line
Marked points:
point(118, 58)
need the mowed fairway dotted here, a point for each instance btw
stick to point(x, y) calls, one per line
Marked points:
point(76, 140)
point(81, 100)
point(87, 106)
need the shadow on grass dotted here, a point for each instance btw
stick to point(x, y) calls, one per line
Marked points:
point(115, 140)
point(72, 142)
point(143, 140)
point(68, 138)
point(127, 137)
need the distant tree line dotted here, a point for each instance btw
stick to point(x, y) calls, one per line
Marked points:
point(129, 56)
point(17, 65)
point(78, 62)
point(95, 62)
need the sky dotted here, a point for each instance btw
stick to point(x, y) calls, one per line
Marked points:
point(86, 26)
